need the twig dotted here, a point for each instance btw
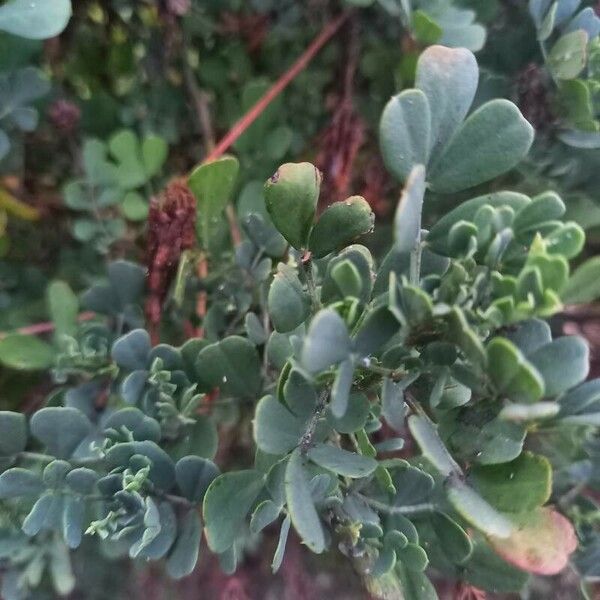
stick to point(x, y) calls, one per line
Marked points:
point(242, 124)
point(306, 267)
point(202, 298)
point(309, 434)
point(45, 327)
point(411, 509)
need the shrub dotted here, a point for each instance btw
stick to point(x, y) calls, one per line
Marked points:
point(407, 411)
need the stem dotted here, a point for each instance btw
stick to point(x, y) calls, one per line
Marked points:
point(47, 458)
point(301, 63)
point(412, 509)
point(306, 266)
point(393, 374)
point(38, 456)
point(46, 327)
point(415, 263)
point(311, 428)
point(202, 299)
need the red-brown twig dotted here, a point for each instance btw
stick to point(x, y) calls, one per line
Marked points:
point(240, 126)
point(47, 327)
point(246, 120)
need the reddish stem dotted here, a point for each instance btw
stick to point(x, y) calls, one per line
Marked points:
point(46, 327)
point(240, 126)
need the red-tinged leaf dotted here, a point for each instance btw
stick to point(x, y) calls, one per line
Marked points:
point(541, 543)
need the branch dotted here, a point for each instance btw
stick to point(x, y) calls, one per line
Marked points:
point(301, 63)
point(46, 327)
point(411, 509)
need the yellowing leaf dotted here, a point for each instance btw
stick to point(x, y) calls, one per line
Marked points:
point(540, 543)
point(16, 208)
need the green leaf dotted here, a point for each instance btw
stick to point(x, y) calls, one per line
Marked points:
point(511, 373)
point(340, 224)
point(26, 353)
point(280, 550)
point(60, 429)
point(254, 329)
point(327, 341)
point(131, 351)
point(425, 30)
point(64, 307)
point(233, 365)
point(477, 434)
point(518, 486)
point(199, 439)
point(567, 241)
point(347, 278)
point(584, 284)
point(134, 207)
point(13, 433)
point(467, 210)
point(228, 500)
point(35, 19)
point(432, 447)
point(563, 363)
point(288, 303)
point(162, 469)
point(159, 546)
point(264, 514)
point(376, 329)
point(452, 538)
point(581, 404)
point(212, 185)
point(184, 555)
point(415, 585)
point(355, 417)
point(448, 77)
point(568, 56)
point(407, 222)
point(45, 514)
point(502, 137)
point(486, 570)
point(340, 391)
point(301, 508)
point(393, 407)
point(545, 207)
point(342, 462)
point(405, 132)
point(476, 511)
point(276, 429)
point(124, 146)
point(73, 521)
point(135, 423)
point(154, 153)
point(342, 284)
point(193, 475)
point(291, 196)
point(17, 482)
point(541, 542)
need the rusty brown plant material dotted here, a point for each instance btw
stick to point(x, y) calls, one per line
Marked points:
point(171, 230)
point(464, 591)
point(376, 186)
point(178, 8)
point(341, 140)
point(252, 28)
point(533, 97)
point(64, 115)
point(340, 143)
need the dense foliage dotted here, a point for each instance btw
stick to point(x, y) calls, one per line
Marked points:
point(229, 357)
